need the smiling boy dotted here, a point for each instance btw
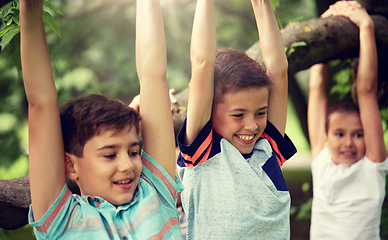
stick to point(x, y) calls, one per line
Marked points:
point(230, 155)
point(93, 140)
point(349, 165)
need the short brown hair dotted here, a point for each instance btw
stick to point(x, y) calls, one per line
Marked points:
point(235, 71)
point(83, 118)
point(345, 107)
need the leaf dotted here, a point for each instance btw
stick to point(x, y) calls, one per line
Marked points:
point(9, 36)
point(7, 9)
point(290, 51)
point(50, 6)
point(50, 21)
point(275, 3)
point(15, 19)
point(5, 30)
point(298, 44)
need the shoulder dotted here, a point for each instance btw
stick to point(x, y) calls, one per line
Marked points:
point(57, 217)
point(158, 178)
point(282, 146)
point(378, 165)
point(205, 145)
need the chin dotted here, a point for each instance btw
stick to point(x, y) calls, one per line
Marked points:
point(245, 150)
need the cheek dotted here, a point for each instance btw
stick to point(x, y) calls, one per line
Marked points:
point(262, 122)
point(332, 144)
point(138, 165)
point(361, 146)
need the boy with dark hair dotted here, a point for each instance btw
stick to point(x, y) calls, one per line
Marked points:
point(350, 163)
point(124, 194)
point(230, 154)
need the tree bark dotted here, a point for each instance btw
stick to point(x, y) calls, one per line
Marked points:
point(326, 39)
point(14, 201)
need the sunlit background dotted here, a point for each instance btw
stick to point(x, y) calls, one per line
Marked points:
point(96, 54)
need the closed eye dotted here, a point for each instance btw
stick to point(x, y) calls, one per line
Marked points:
point(133, 154)
point(261, 113)
point(240, 115)
point(110, 156)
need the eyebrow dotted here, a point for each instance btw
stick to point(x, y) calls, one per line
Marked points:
point(244, 110)
point(134, 144)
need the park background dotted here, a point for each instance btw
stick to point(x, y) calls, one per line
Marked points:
point(95, 53)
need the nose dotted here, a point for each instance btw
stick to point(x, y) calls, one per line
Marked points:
point(125, 164)
point(251, 124)
point(348, 141)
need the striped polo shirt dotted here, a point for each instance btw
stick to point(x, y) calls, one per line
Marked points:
point(151, 214)
point(231, 196)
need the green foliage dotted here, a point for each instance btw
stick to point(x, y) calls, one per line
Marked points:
point(9, 15)
point(342, 79)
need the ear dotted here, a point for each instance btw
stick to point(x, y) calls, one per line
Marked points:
point(70, 169)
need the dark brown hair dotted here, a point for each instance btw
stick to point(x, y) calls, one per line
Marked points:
point(345, 107)
point(235, 71)
point(83, 118)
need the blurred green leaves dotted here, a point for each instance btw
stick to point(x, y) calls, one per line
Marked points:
point(9, 15)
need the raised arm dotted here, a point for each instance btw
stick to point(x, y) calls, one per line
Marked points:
point(203, 55)
point(366, 78)
point(317, 107)
point(151, 62)
point(367, 88)
point(46, 154)
point(275, 61)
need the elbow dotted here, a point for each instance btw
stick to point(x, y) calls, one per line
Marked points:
point(277, 68)
point(202, 60)
point(42, 101)
point(367, 88)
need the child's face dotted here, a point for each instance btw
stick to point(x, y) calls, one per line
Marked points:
point(110, 167)
point(241, 117)
point(345, 138)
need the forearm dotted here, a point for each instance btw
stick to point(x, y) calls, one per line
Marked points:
point(203, 40)
point(368, 63)
point(271, 42)
point(151, 55)
point(37, 71)
point(317, 106)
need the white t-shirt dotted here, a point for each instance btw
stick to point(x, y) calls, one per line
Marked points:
point(347, 200)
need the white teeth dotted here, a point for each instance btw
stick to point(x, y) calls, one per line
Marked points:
point(246, 137)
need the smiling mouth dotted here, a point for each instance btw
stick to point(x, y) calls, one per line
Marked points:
point(123, 182)
point(246, 138)
point(348, 154)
